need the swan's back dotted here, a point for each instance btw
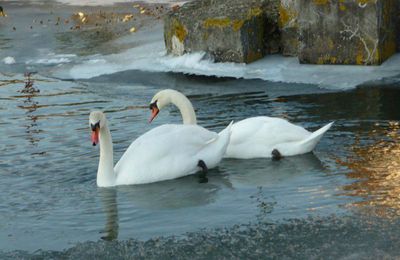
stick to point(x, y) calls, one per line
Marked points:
point(277, 130)
point(168, 152)
point(258, 136)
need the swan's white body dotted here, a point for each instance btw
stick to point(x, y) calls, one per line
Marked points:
point(258, 136)
point(168, 152)
point(163, 153)
point(254, 137)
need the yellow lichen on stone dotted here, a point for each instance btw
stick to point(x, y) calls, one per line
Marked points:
point(342, 6)
point(179, 30)
point(283, 16)
point(331, 44)
point(321, 2)
point(217, 22)
point(378, 57)
point(333, 60)
point(256, 11)
point(237, 25)
point(320, 61)
point(360, 58)
point(286, 16)
point(327, 59)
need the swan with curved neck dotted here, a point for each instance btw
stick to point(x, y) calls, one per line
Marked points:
point(168, 96)
point(255, 137)
point(163, 153)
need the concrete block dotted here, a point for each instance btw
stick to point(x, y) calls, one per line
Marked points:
point(361, 32)
point(230, 30)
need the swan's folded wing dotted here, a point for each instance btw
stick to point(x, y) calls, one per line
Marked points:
point(266, 129)
point(167, 141)
point(194, 135)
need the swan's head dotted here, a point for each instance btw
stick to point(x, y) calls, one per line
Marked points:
point(97, 120)
point(160, 100)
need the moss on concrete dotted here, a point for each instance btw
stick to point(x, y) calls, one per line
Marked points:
point(217, 22)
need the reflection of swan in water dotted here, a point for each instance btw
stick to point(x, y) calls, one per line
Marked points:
point(259, 172)
point(179, 193)
point(109, 199)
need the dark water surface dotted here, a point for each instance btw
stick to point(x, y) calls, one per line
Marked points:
point(339, 202)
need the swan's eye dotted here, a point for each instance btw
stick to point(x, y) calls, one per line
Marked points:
point(95, 126)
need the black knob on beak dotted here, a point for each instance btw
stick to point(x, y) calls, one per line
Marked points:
point(153, 105)
point(95, 126)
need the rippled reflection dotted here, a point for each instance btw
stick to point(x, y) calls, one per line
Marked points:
point(30, 105)
point(376, 169)
point(176, 194)
point(109, 200)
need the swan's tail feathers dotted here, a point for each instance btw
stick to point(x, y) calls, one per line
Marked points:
point(215, 150)
point(227, 130)
point(310, 142)
point(225, 136)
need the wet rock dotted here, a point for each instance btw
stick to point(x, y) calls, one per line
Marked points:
point(347, 32)
point(230, 31)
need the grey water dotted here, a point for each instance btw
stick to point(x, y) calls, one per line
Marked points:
point(341, 201)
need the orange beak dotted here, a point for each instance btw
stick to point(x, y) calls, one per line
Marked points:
point(95, 136)
point(154, 113)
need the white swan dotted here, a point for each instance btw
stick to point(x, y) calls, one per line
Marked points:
point(163, 153)
point(255, 137)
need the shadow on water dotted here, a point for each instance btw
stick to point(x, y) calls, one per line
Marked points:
point(363, 103)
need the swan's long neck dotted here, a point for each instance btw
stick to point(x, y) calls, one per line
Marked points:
point(185, 107)
point(105, 172)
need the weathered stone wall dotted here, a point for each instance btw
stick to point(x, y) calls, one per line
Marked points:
point(347, 31)
point(233, 30)
point(363, 32)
